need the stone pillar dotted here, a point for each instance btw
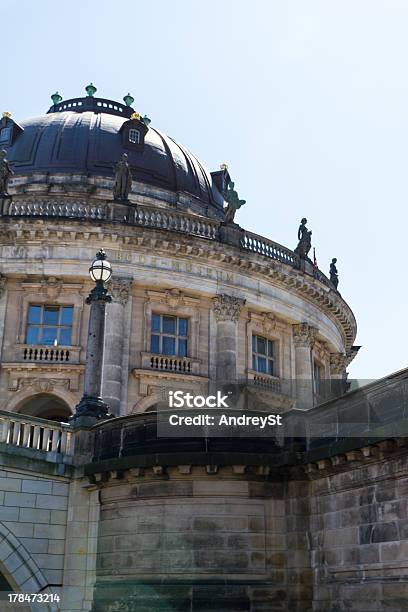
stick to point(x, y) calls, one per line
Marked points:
point(227, 309)
point(303, 338)
point(115, 333)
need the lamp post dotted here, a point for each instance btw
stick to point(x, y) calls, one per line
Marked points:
point(91, 405)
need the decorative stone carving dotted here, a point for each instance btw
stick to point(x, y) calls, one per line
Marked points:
point(120, 288)
point(174, 298)
point(227, 307)
point(304, 334)
point(338, 363)
point(51, 287)
point(268, 322)
point(42, 385)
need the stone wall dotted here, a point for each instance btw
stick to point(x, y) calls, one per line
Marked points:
point(359, 537)
point(33, 516)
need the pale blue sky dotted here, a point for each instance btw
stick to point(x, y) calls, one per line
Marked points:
point(307, 101)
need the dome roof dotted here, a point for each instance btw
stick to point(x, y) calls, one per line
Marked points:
point(83, 136)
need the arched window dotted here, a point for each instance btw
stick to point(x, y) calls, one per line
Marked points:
point(46, 406)
point(134, 136)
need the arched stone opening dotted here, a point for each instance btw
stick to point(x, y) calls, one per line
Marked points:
point(46, 406)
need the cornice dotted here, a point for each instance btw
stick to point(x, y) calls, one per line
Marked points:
point(19, 232)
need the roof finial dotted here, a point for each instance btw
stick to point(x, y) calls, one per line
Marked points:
point(6, 115)
point(128, 99)
point(56, 98)
point(224, 166)
point(91, 90)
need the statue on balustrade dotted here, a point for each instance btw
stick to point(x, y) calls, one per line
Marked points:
point(305, 240)
point(5, 174)
point(123, 179)
point(233, 201)
point(334, 276)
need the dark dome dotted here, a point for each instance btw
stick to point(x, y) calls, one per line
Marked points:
point(89, 141)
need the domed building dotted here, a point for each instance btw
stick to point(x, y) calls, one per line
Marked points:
point(195, 299)
point(109, 515)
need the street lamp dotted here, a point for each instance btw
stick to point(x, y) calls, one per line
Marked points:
point(92, 407)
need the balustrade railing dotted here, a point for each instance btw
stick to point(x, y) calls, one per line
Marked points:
point(34, 353)
point(38, 434)
point(171, 364)
point(162, 219)
point(71, 210)
point(263, 246)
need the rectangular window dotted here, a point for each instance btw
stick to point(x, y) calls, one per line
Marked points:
point(263, 355)
point(51, 325)
point(134, 136)
point(169, 335)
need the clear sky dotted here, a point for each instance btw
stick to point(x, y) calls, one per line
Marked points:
point(307, 102)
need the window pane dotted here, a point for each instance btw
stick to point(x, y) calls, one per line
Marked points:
point(183, 327)
point(182, 348)
point(65, 336)
point(66, 317)
point(169, 345)
point(156, 322)
point(169, 325)
point(270, 348)
point(270, 367)
point(254, 362)
point(262, 364)
point(261, 345)
point(155, 344)
point(32, 335)
point(34, 314)
point(49, 335)
point(254, 344)
point(51, 315)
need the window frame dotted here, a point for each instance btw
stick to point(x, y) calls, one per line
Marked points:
point(177, 336)
point(42, 325)
point(270, 358)
point(139, 136)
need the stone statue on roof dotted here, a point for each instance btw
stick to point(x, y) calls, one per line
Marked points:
point(123, 179)
point(305, 240)
point(233, 201)
point(334, 276)
point(5, 174)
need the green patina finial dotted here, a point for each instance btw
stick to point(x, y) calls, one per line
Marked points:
point(56, 98)
point(146, 120)
point(128, 99)
point(91, 90)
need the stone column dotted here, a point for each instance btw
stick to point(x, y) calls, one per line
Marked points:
point(227, 309)
point(303, 338)
point(115, 334)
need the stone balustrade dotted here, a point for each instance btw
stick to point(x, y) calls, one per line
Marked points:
point(165, 363)
point(44, 353)
point(34, 433)
point(161, 219)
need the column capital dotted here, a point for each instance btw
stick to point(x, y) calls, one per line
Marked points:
point(338, 363)
point(227, 307)
point(119, 289)
point(304, 334)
